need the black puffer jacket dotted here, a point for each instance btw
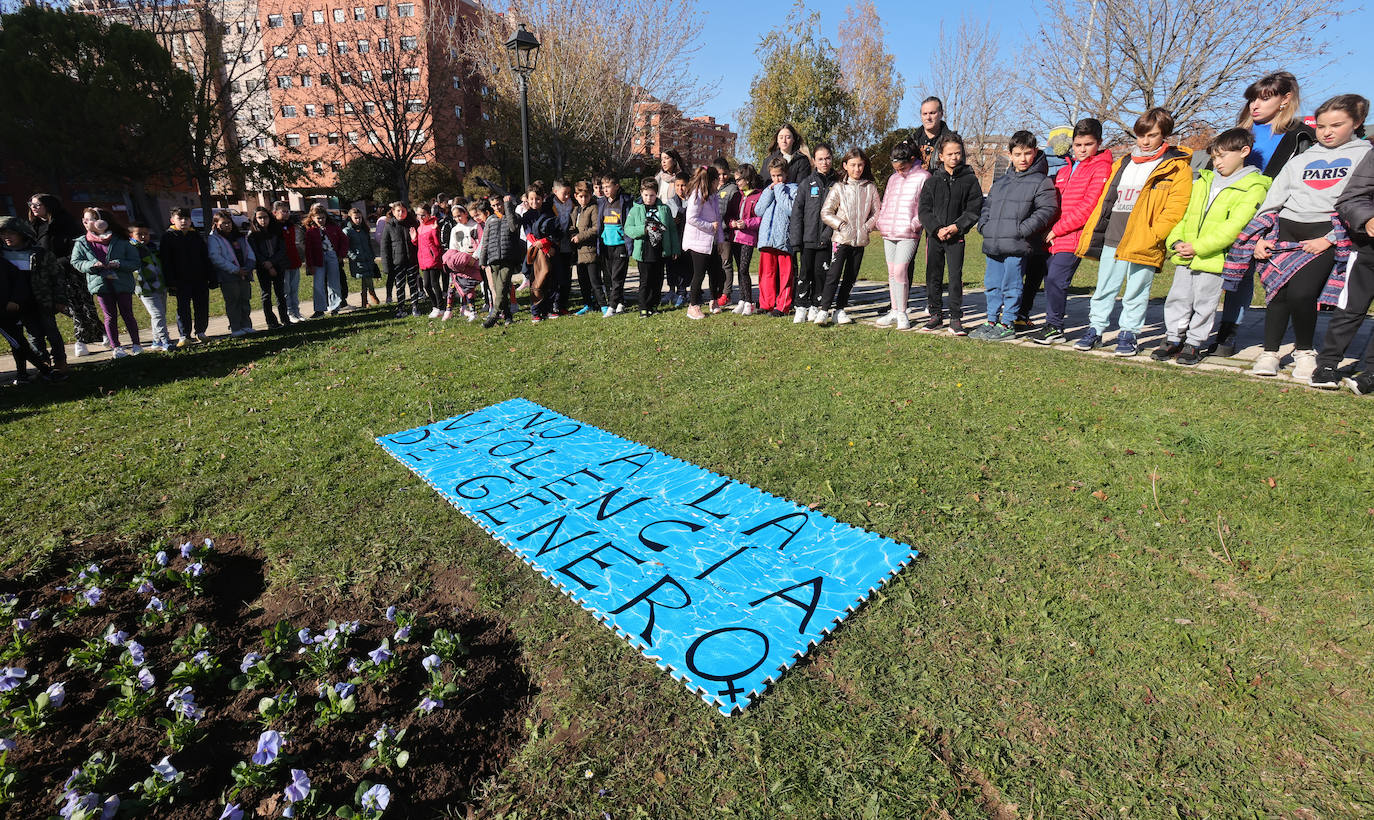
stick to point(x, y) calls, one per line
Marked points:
point(501, 243)
point(1019, 209)
point(947, 199)
point(806, 230)
point(399, 251)
point(185, 258)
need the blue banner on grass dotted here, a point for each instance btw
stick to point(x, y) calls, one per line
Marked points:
point(722, 585)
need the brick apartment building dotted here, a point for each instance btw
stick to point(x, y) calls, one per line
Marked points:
point(660, 127)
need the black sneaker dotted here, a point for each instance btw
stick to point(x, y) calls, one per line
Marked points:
point(1049, 335)
point(1023, 325)
point(1361, 385)
point(1325, 378)
point(491, 320)
point(1188, 356)
point(1226, 340)
point(1166, 351)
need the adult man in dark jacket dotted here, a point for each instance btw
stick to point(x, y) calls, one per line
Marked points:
point(400, 259)
point(951, 202)
point(810, 236)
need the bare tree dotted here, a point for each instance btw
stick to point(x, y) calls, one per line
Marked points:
point(1192, 57)
point(597, 59)
point(971, 78)
point(867, 74)
point(218, 43)
point(372, 84)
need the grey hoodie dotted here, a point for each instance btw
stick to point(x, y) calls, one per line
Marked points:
point(1307, 188)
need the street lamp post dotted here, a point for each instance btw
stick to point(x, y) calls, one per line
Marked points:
point(524, 56)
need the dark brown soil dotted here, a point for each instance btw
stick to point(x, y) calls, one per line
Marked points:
point(452, 750)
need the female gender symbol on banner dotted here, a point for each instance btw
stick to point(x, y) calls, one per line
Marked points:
point(722, 585)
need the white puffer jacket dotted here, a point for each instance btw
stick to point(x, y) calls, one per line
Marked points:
point(851, 210)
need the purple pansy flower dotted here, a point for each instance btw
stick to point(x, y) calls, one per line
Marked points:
point(57, 693)
point(165, 770)
point(303, 636)
point(345, 689)
point(117, 638)
point(22, 624)
point(431, 662)
point(187, 549)
point(299, 787)
point(6, 745)
point(196, 570)
point(377, 798)
point(155, 604)
point(146, 587)
point(231, 812)
point(391, 613)
point(93, 595)
point(11, 676)
point(161, 558)
point(135, 650)
point(380, 655)
point(145, 679)
point(402, 634)
point(269, 746)
point(428, 704)
point(249, 661)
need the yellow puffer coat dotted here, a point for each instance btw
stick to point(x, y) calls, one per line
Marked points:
point(1161, 204)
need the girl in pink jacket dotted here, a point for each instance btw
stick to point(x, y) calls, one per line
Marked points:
point(900, 226)
point(742, 218)
point(431, 256)
point(703, 230)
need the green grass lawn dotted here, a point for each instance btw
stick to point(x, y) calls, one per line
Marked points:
point(1143, 592)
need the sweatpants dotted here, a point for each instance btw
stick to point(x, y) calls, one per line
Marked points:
point(1058, 277)
point(899, 254)
point(501, 275)
point(86, 324)
point(1111, 275)
point(123, 303)
point(156, 305)
point(589, 282)
point(743, 257)
point(238, 300)
point(1296, 301)
point(407, 286)
point(702, 265)
point(193, 307)
point(941, 256)
point(775, 280)
point(839, 281)
point(272, 286)
point(1191, 305)
point(1002, 287)
point(1345, 321)
point(650, 284)
point(811, 276)
point(1033, 273)
point(615, 265)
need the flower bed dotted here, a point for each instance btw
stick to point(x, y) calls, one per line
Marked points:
point(160, 681)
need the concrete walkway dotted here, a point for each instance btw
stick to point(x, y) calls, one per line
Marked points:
point(869, 300)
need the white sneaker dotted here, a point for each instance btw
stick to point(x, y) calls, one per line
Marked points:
point(800, 316)
point(435, 313)
point(748, 309)
point(607, 313)
point(888, 319)
point(903, 323)
point(738, 309)
point(448, 314)
point(842, 318)
point(822, 318)
point(119, 352)
point(620, 308)
point(79, 349)
point(812, 312)
point(469, 314)
point(1266, 365)
point(1304, 364)
point(135, 350)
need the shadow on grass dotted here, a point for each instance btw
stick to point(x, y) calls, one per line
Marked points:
point(218, 358)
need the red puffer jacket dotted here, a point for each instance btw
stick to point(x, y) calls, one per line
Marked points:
point(1080, 185)
point(430, 252)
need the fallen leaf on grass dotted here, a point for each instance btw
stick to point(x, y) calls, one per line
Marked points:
point(1271, 482)
point(660, 778)
point(1099, 495)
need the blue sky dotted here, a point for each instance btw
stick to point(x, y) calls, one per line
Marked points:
point(728, 54)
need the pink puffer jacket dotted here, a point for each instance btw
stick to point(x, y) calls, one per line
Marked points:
point(897, 218)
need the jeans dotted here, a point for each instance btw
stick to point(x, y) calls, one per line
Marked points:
point(725, 261)
point(291, 285)
point(156, 305)
point(193, 307)
point(1236, 301)
point(238, 300)
point(939, 256)
point(1002, 287)
point(1191, 306)
point(1062, 267)
point(1111, 275)
point(271, 285)
point(839, 281)
point(326, 285)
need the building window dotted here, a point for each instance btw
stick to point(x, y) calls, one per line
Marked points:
point(345, 78)
point(329, 109)
point(293, 140)
point(341, 47)
point(412, 75)
point(360, 14)
point(389, 105)
point(307, 81)
point(279, 52)
point(314, 139)
point(362, 46)
point(415, 106)
point(405, 10)
point(240, 27)
point(373, 138)
point(324, 78)
point(275, 21)
point(247, 57)
point(457, 83)
point(297, 18)
point(317, 166)
point(283, 81)
point(260, 142)
point(352, 137)
point(387, 74)
point(348, 108)
point(458, 112)
point(334, 138)
point(370, 108)
point(460, 140)
point(380, 11)
point(416, 135)
point(302, 50)
point(410, 43)
point(340, 15)
point(310, 109)
point(384, 44)
point(335, 166)
point(318, 17)
point(322, 48)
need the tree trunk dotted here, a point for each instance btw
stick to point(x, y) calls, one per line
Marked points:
point(206, 205)
point(402, 184)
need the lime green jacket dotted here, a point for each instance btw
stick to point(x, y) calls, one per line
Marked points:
point(1211, 229)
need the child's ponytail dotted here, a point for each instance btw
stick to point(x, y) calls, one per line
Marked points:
point(702, 179)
